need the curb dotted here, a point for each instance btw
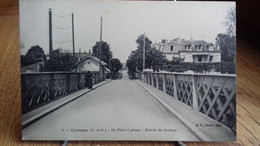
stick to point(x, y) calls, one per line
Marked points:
point(188, 124)
point(31, 120)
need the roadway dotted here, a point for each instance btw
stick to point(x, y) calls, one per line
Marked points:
point(118, 110)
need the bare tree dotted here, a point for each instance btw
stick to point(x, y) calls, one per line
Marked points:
point(231, 22)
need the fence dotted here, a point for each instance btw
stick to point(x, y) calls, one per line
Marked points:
point(41, 88)
point(212, 95)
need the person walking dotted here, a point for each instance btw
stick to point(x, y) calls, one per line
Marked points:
point(88, 80)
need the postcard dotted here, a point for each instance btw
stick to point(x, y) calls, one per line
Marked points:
point(128, 70)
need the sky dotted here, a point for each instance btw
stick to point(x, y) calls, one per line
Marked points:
point(123, 22)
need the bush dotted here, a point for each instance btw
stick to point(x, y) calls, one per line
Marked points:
point(222, 67)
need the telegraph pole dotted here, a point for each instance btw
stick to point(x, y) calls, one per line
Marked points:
point(100, 46)
point(73, 43)
point(50, 33)
point(144, 53)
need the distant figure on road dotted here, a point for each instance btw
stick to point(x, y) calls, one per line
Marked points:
point(88, 80)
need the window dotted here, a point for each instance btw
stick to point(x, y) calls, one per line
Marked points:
point(210, 48)
point(199, 58)
point(171, 47)
point(89, 62)
point(210, 58)
point(188, 47)
point(199, 47)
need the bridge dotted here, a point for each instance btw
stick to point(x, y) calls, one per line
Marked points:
point(186, 107)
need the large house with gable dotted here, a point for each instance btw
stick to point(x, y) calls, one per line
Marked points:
point(198, 51)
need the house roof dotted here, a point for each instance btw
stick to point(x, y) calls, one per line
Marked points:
point(32, 66)
point(178, 44)
point(92, 58)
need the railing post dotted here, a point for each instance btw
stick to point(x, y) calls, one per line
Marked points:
point(148, 78)
point(97, 77)
point(175, 95)
point(23, 90)
point(79, 83)
point(145, 80)
point(157, 81)
point(94, 78)
point(194, 93)
point(164, 82)
point(68, 83)
point(152, 79)
point(52, 86)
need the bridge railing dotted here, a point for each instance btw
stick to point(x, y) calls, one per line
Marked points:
point(212, 95)
point(41, 88)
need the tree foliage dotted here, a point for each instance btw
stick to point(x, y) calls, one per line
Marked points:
point(140, 42)
point(115, 66)
point(154, 59)
point(174, 65)
point(33, 55)
point(106, 54)
point(59, 62)
point(227, 45)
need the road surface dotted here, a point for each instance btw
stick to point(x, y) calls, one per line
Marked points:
point(118, 110)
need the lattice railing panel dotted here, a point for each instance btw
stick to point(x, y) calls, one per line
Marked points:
point(215, 95)
point(35, 90)
point(74, 82)
point(154, 77)
point(160, 81)
point(150, 79)
point(169, 84)
point(60, 84)
point(82, 81)
point(146, 78)
point(184, 89)
point(41, 88)
point(216, 99)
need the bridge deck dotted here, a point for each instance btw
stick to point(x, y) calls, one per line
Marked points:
point(123, 104)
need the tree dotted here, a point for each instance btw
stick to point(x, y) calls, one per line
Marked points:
point(59, 62)
point(115, 66)
point(33, 55)
point(154, 59)
point(227, 41)
point(140, 42)
point(230, 22)
point(106, 54)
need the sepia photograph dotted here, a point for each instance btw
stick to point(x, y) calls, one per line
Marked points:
point(128, 70)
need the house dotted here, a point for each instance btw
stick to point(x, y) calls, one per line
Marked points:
point(190, 50)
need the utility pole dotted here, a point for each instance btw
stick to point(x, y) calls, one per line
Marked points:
point(50, 33)
point(100, 46)
point(144, 53)
point(73, 43)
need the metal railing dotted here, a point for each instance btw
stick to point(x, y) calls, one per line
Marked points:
point(42, 88)
point(212, 95)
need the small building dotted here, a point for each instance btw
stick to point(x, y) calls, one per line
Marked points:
point(33, 67)
point(92, 64)
point(79, 55)
point(189, 50)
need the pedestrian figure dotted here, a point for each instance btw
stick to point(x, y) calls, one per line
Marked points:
point(88, 80)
